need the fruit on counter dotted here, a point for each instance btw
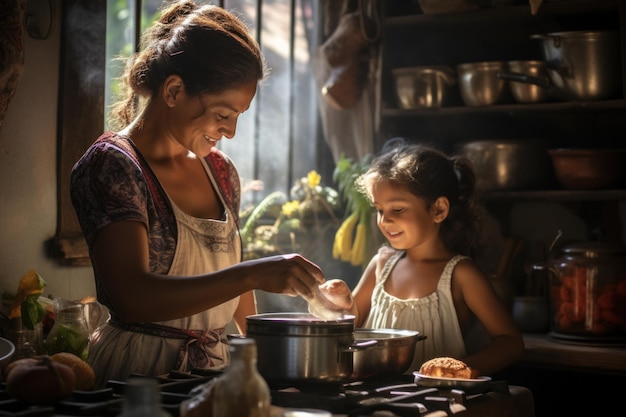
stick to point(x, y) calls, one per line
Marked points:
point(16, 363)
point(40, 380)
point(85, 376)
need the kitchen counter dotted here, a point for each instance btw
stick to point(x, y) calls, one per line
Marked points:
point(541, 351)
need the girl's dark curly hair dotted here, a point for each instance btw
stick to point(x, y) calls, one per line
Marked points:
point(429, 174)
point(209, 47)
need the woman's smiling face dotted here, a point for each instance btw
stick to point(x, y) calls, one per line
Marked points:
point(403, 218)
point(199, 122)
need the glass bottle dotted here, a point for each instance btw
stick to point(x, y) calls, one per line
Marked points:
point(241, 390)
point(142, 399)
point(69, 333)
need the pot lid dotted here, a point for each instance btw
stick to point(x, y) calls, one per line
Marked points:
point(595, 249)
point(297, 324)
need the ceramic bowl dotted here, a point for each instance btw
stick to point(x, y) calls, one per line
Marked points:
point(589, 169)
point(7, 349)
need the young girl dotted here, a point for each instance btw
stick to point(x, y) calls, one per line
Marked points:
point(426, 280)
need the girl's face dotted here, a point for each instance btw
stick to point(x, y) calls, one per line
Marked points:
point(200, 122)
point(403, 218)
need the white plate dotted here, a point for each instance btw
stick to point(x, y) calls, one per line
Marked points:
point(480, 383)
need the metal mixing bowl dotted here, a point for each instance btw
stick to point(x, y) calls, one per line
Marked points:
point(480, 85)
point(423, 87)
point(509, 164)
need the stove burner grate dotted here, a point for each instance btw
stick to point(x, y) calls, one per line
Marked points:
point(398, 394)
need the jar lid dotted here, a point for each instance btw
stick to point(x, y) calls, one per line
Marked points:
point(595, 249)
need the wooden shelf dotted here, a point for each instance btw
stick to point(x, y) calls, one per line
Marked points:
point(569, 106)
point(543, 352)
point(505, 12)
point(555, 195)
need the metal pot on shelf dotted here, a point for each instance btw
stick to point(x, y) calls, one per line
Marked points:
point(528, 80)
point(480, 85)
point(509, 164)
point(423, 87)
point(583, 65)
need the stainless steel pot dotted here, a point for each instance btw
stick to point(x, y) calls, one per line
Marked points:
point(480, 85)
point(298, 347)
point(301, 347)
point(528, 80)
point(392, 354)
point(583, 65)
point(509, 164)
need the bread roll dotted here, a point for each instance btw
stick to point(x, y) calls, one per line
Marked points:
point(85, 375)
point(446, 367)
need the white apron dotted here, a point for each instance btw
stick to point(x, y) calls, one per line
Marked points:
point(203, 245)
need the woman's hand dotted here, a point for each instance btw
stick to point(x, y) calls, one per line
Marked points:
point(290, 274)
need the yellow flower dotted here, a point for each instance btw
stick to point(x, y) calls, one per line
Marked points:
point(313, 179)
point(290, 207)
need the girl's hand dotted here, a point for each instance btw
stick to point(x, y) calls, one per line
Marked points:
point(337, 293)
point(331, 300)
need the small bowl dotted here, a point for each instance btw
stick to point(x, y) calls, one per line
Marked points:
point(589, 169)
point(480, 85)
point(7, 349)
point(423, 87)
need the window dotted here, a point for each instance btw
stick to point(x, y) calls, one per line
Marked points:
point(278, 139)
point(280, 128)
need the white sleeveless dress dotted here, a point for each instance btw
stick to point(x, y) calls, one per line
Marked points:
point(434, 316)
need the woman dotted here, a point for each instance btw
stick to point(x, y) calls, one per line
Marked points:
point(158, 203)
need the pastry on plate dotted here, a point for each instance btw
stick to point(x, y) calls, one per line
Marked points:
point(446, 367)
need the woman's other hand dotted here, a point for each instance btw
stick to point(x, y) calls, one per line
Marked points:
point(290, 274)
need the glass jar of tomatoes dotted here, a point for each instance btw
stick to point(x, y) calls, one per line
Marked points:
point(588, 292)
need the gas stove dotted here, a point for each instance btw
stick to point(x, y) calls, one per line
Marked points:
point(398, 395)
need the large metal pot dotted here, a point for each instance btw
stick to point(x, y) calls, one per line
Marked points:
point(583, 65)
point(302, 347)
point(509, 164)
point(298, 347)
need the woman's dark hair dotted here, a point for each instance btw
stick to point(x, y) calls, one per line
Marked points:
point(428, 173)
point(209, 47)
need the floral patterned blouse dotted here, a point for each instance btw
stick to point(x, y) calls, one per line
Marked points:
point(112, 182)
